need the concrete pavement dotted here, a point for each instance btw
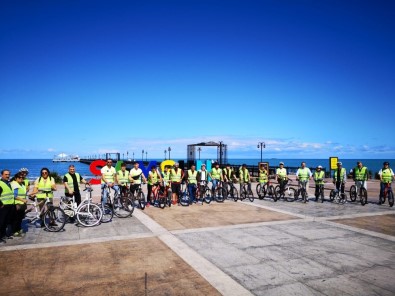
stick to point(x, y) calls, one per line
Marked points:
point(230, 248)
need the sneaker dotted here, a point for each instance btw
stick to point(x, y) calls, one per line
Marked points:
point(117, 210)
point(130, 208)
point(10, 237)
point(147, 205)
point(18, 234)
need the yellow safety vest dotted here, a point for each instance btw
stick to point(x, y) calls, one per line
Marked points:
point(386, 175)
point(192, 177)
point(70, 181)
point(228, 173)
point(44, 185)
point(303, 174)
point(21, 191)
point(108, 175)
point(263, 176)
point(216, 173)
point(342, 171)
point(317, 176)
point(175, 176)
point(153, 179)
point(123, 177)
point(7, 196)
point(244, 175)
point(281, 172)
point(361, 174)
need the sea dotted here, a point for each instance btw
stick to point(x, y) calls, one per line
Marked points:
point(35, 165)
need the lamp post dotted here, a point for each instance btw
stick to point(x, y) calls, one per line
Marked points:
point(169, 149)
point(133, 157)
point(146, 157)
point(123, 156)
point(220, 152)
point(127, 155)
point(142, 155)
point(165, 153)
point(199, 149)
point(261, 145)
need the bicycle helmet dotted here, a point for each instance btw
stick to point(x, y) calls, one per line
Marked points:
point(319, 167)
point(281, 163)
point(24, 170)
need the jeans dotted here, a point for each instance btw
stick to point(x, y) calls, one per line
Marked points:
point(215, 182)
point(105, 192)
point(191, 191)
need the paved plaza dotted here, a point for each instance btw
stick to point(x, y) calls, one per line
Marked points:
point(231, 248)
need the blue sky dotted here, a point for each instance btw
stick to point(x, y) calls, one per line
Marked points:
point(311, 79)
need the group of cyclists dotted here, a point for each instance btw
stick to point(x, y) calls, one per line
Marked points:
point(15, 191)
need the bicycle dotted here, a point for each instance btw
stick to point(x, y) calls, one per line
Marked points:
point(265, 188)
point(320, 192)
point(138, 198)
point(125, 204)
point(219, 192)
point(121, 205)
point(51, 217)
point(302, 190)
point(337, 196)
point(88, 214)
point(387, 194)
point(232, 191)
point(285, 192)
point(363, 193)
point(203, 192)
point(246, 192)
point(158, 196)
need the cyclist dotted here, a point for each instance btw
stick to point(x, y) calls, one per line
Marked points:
point(304, 174)
point(244, 177)
point(191, 179)
point(176, 176)
point(154, 178)
point(262, 176)
point(166, 179)
point(135, 177)
point(360, 176)
point(43, 188)
point(123, 177)
point(202, 178)
point(6, 204)
point(281, 176)
point(386, 176)
point(71, 182)
point(340, 177)
point(215, 175)
point(228, 174)
point(20, 200)
point(108, 179)
point(318, 177)
point(25, 172)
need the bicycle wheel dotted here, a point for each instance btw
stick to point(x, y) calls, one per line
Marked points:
point(141, 200)
point(353, 193)
point(322, 194)
point(125, 209)
point(54, 219)
point(258, 190)
point(89, 215)
point(234, 193)
point(277, 192)
point(290, 194)
point(303, 195)
point(332, 195)
point(250, 195)
point(363, 196)
point(207, 195)
point(390, 198)
point(161, 199)
point(342, 198)
point(108, 214)
point(220, 194)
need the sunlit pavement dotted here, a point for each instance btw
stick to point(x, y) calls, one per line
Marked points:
point(231, 248)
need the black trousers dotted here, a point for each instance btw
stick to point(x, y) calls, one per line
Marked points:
point(7, 216)
point(77, 196)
